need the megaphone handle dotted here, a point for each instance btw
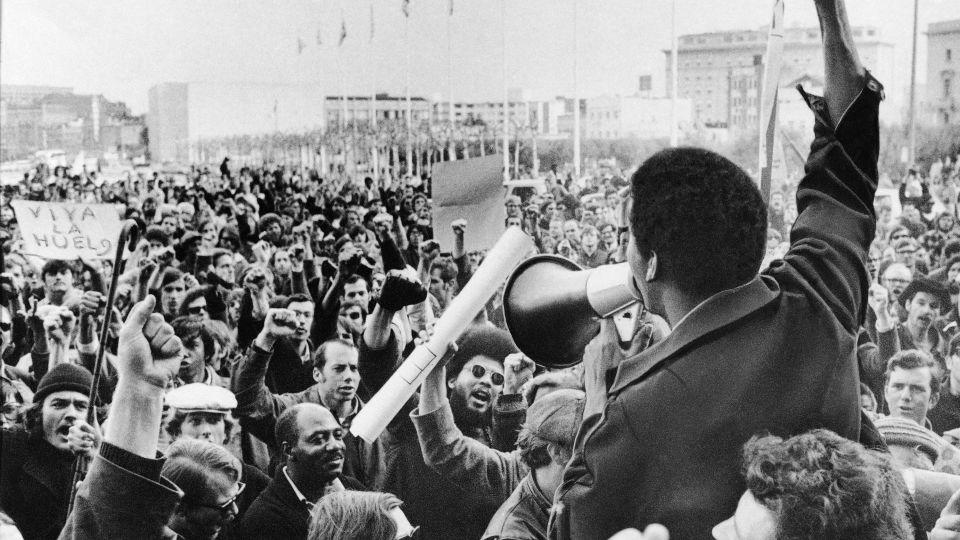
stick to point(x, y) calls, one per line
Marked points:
point(626, 321)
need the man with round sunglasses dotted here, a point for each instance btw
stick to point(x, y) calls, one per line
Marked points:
point(474, 380)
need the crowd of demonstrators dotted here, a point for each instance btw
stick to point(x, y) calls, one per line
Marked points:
point(265, 306)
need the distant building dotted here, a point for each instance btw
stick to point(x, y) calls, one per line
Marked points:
point(943, 72)
point(25, 94)
point(486, 112)
point(550, 118)
point(553, 119)
point(620, 117)
point(182, 114)
point(34, 118)
point(722, 72)
point(386, 107)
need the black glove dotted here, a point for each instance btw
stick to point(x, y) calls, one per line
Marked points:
point(400, 290)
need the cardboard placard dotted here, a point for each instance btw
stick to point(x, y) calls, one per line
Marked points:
point(68, 230)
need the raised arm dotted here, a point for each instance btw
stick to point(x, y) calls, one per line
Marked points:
point(836, 221)
point(843, 73)
point(123, 495)
point(455, 456)
point(255, 404)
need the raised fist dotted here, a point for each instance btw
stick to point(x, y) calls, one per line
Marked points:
point(429, 250)
point(91, 303)
point(401, 288)
point(148, 352)
point(190, 281)
point(163, 257)
point(517, 370)
point(255, 280)
point(879, 298)
point(59, 324)
point(459, 226)
point(280, 322)
point(348, 260)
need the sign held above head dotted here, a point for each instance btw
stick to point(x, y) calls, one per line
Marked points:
point(68, 230)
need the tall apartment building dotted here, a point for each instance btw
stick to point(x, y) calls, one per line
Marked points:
point(722, 72)
point(943, 72)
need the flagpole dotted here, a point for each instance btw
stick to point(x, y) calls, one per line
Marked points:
point(576, 98)
point(343, 93)
point(406, 41)
point(453, 148)
point(772, 61)
point(506, 105)
point(674, 77)
point(911, 114)
point(373, 101)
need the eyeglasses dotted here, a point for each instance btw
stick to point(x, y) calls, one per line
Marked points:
point(353, 315)
point(479, 371)
point(197, 310)
point(227, 506)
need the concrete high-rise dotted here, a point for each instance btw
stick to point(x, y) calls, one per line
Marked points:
point(722, 72)
point(943, 72)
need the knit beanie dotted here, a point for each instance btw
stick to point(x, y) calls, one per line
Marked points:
point(905, 432)
point(64, 377)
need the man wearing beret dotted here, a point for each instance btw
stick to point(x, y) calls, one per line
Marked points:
point(36, 469)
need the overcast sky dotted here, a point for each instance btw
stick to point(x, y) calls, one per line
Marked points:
point(120, 48)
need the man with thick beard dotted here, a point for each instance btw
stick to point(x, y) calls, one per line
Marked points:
point(475, 377)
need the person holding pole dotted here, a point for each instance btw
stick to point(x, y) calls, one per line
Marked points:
point(35, 471)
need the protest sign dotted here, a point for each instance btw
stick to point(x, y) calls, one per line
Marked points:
point(470, 189)
point(68, 230)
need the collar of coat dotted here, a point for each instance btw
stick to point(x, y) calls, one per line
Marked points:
point(715, 313)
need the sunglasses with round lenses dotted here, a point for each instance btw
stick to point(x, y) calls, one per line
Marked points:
point(479, 371)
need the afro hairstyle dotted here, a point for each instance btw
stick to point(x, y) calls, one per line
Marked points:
point(702, 215)
point(480, 340)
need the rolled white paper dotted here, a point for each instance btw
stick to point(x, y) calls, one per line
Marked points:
point(506, 254)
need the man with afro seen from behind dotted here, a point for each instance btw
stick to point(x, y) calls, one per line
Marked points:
point(748, 352)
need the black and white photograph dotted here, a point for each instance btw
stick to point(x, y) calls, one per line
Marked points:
point(480, 270)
